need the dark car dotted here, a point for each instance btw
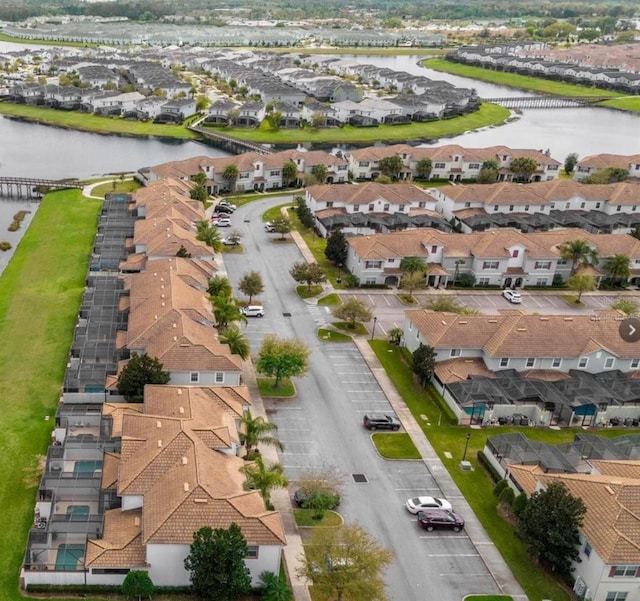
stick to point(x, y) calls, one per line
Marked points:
point(380, 421)
point(222, 208)
point(440, 518)
point(301, 499)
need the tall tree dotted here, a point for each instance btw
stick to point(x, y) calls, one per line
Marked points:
point(570, 162)
point(282, 225)
point(226, 311)
point(581, 283)
point(251, 284)
point(549, 525)
point(289, 173)
point(139, 371)
point(319, 171)
point(352, 311)
point(391, 166)
point(304, 212)
point(275, 588)
point(411, 264)
point(336, 249)
point(219, 285)
point(618, 268)
point(137, 583)
point(230, 175)
point(523, 167)
point(423, 363)
point(308, 273)
point(264, 478)
point(345, 564)
point(282, 358)
point(216, 564)
point(423, 168)
point(237, 341)
point(208, 234)
point(412, 280)
point(257, 430)
point(579, 252)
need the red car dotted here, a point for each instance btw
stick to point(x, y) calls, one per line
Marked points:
point(431, 519)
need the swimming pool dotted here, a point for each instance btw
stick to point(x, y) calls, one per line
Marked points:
point(69, 558)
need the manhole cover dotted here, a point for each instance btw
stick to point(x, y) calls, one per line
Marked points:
point(359, 478)
point(286, 315)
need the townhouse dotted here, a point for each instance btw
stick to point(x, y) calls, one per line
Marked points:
point(550, 370)
point(500, 258)
point(592, 164)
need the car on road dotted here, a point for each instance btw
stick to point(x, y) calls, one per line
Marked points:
point(305, 500)
point(222, 208)
point(431, 519)
point(222, 222)
point(253, 311)
point(423, 503)
point(230, 241)
point(268, 226)
point(513, 296)
point(226, 203)
point(380, 421)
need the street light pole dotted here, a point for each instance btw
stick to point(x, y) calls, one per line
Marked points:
point(466, 446)
point(373, 329)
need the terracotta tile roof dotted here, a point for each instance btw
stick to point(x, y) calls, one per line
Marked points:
point(602, 161)
point(375, 153)
point(520, 335)
point(116, 411)
point(612, 521)
point(408, 243)
point(458, 370)
point(366, 193)
point(121, 543)
point(110, 465)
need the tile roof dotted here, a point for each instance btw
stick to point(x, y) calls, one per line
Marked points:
point(121, 543)
point(369, 192)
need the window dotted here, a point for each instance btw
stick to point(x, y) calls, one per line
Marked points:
point(372, 264)
point(219, 377)
point(391, 260)
point(553, 205)
point(372, 207)
point(495, 207)
point(561, 262)
point(252, 552)
point(356, 208)
point(490, 264)
point(526, 208)
point(629, 571)
point(515, 253)
point(598, 205)
point(618, 208)
point(401, 208)
point(467, 205)
point(363, 164)
point(608, 362)
point(616, 596)
point(567, 205)
point(474, 165)
point(582, 205)
point(194, 377)
point(530, 362)
point(455, 352)
point(634, 208)
point(541, 282)
point(456, 159)
point(434, 249)
point(510, 208)
point(274, 173)
point(556, 362)
point(542, 265)
point(582, 363)
point(635, 363)
point(329, 204)
point(386, 207)
point(439, 166)
point(484, 281)
point(370, 281)
point(422, 204)
point(504, 362)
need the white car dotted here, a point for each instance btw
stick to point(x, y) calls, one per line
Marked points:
point(512, 296)
point(253, 311)
point(421, 503)
point(230, 241)
point(222, 222)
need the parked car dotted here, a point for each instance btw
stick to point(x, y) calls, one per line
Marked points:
point(513, 296)
point(253, 311)
point(230, 241)
point(222, 222)
point(301, 499)
point(221, 208)
point(431, 519)
point(226, 203)
point(268, 226)
point(380, 421)
point(423, 503)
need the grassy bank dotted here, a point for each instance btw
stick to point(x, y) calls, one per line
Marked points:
point(94, 123)
point(7, 38)
point(489, 114)
point(41, 291)
point(534, 84)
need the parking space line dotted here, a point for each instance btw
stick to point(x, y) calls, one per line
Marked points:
point(454, 555)
point(295, 441)
point(466, 574)
point(294, 429)
point(290, 453)
point(418, 489)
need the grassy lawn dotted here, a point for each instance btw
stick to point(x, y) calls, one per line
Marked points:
point(327, 335)
point(45, 278)
point(395, 51)
point(359, 329)
point(488, 598)
point(7, 38)
point(395, 446)
point(330, 300)
point(273, 212)
point(285, 389)
point(243, 199)
point(475, 485)
point(305, 292)
point(489, 114)
point(94, 123)
point(535, 84)
point(305, 518)
point(121, 187)
point(572, 300)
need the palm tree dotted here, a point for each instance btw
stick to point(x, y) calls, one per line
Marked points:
point(264, 478)
point(257, 430)
point(237, 341)
point(423, 168)
point(219, 285)
point(226, 311)
point(209, 235)
point(230, 174)
point(618, 268)
point(289, 173)
point(411, 264)
point(579, 252)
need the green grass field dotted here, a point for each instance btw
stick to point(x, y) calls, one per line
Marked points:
point(395, 446)
point(41, 291)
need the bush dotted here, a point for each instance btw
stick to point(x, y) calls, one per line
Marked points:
point(4, 246)
point(519, 503)
point(484, 462)
point(466, 280)
point(499, 487)
point(507, 496)
point(351, 281)
point(14, 226)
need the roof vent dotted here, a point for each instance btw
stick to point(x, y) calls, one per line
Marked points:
point(181, 410)
point(158, 424)
point(568, 318)
point(544, 319)
point(155, 317)
point(185, 486)
point(200, 500)
point(521, 329)
point(175, 325)
point(162, 303)
point(444, 323)
point(184, 461)
point(493, 321)
point(136, 521)
point(609, 490)
point(159, 444)
point(179, 390)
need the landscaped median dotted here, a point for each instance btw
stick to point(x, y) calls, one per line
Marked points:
point(41, 291)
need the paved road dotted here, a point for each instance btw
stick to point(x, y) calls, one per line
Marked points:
point(322, 426)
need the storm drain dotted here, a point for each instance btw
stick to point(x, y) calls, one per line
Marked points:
point(359, 478)
point(286, 315)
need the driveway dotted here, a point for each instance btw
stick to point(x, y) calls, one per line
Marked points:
point(322, 426)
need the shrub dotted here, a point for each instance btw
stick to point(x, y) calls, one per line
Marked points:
point(466, 280)
point(14, 226)
point(507, 496)
point(4, 246)
point(519, 503)
point(351, 281)
point(499, 487)
point(482, 460)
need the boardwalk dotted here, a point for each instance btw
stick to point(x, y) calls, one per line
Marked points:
point(29, 187)
point(548, 102)
point(234, 145)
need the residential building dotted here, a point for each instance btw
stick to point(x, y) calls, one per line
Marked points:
point(592, 164)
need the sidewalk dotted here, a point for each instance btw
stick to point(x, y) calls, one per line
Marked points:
point(484, 546)
point(279, 497)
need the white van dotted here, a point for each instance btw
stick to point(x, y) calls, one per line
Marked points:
point(253, 311)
